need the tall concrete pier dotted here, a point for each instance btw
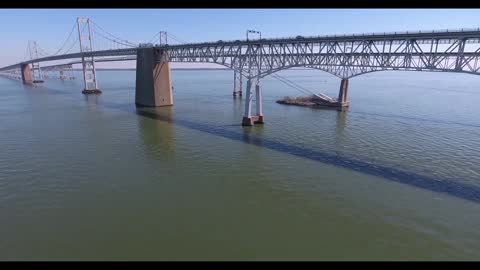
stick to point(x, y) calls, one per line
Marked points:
point(343, 93)
point(153, 82)
point(26, 74)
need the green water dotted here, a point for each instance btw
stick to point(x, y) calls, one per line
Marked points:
point(95, 178)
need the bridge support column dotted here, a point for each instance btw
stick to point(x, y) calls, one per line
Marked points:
point(153, 82)
point(248, 118)
point(237, 83)
point(258, 101)
point(343, 94)
point(26, 74)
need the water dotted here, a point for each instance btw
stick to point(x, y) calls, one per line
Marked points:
point(395, 177)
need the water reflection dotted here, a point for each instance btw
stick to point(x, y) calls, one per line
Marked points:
point(341, 119)
point(340, 137)
point(253, 134)
point(91, 99)
point(158, 136)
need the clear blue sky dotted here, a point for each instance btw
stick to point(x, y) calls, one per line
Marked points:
point(50, 27)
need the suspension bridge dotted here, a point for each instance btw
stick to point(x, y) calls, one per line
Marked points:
point(344, 56)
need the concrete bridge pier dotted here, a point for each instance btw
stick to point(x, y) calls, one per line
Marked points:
point(26, 74)
point(248, 118)
point(237, 83)
point(153, 81)
point(259, 103)
point(343, 94)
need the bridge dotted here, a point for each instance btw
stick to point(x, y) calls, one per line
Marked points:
point(344, 56)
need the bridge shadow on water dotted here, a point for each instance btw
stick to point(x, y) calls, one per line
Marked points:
point(420, 119)
point(446, 186)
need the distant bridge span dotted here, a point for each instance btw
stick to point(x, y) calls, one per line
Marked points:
point(70, 64)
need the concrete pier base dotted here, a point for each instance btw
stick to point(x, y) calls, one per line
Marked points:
point(247, 121)
point(237, 94)
point(153, 81)
point(92, 91)
point(252, 120)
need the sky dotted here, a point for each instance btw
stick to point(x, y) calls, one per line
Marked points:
point(50, 27)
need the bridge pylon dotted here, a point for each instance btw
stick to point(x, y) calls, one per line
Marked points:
point(37, 76)
point(163, 38)
point(88, 63)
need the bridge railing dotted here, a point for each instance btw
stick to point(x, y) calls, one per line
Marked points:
point(392, 33)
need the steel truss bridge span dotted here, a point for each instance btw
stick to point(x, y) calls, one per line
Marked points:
point(342, 56)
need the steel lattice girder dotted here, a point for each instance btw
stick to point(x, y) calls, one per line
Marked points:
point(344, 56)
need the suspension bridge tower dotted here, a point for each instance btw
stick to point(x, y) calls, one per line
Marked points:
point(37, 76)
point(88, 63)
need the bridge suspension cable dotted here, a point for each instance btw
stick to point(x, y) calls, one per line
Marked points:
point(171, 37)
point(153, 38)
point(71, 46)
point(179, 40)
point(112, 37)
point(74, 43)
point(115, 42)
point(26, 54)
point(42, 52)
point(65, 42)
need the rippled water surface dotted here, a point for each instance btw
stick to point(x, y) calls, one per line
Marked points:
point(395, 177)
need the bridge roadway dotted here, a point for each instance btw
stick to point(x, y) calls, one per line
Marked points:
point(344, 56)
point(71, 63)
